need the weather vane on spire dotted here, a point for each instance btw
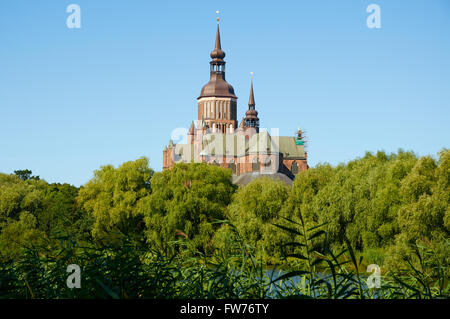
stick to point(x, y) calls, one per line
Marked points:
point(218, 18)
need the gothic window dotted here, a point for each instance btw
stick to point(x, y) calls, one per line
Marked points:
point(294, 168)
point(255, 165)
point(233, 167)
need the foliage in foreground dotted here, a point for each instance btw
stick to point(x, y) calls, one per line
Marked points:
point(130, 272)
point(391, 210)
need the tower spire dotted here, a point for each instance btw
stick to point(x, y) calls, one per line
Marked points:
point(218, 54)
point(218, 46)
point(251, 116)
point(251, 100)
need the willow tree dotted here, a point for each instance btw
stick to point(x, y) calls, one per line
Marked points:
point(186, 201)
point(20, 207)
point(426, 190)
point(112, 199)
point(358, 201)
point(254, 210)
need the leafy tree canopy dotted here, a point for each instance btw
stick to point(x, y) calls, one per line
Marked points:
point(112, 199)
point(254, 210)
point(185, 201)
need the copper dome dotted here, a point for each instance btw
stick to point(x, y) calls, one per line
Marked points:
point(251, 114)
point(217, 87)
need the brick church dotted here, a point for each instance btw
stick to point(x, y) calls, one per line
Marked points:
point(219, 139)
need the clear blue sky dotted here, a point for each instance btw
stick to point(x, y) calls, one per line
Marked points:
point(72, 100)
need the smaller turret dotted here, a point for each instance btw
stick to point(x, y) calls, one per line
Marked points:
point(251, 116)
point(191, 134)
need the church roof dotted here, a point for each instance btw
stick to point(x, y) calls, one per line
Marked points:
point(218, 144)
point(289, 147)
point(236, 145)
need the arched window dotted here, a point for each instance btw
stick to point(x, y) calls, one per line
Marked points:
point(255, 165)
point(294, 168)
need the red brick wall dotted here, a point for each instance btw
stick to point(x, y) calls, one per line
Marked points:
point(302, 164)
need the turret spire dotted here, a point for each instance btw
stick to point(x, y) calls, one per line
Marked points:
point(251, 116)
point(192, 129)
point(251, 100)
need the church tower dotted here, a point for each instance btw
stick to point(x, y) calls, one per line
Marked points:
point(217, 103)
point(246, 151)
